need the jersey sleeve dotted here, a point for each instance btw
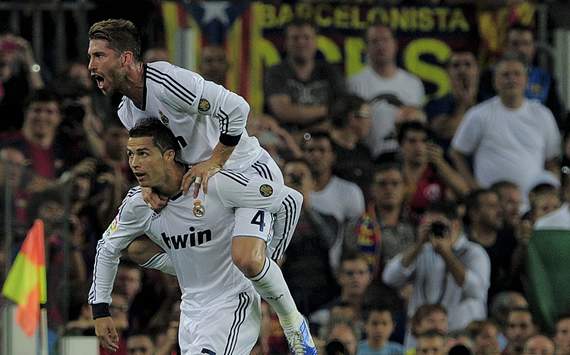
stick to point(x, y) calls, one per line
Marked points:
point(187, 91)
point(130, 222)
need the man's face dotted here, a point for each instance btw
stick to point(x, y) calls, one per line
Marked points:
point(539, 345)
point(510, 199)
point(360, 121)
point(345, 335)
point(379, 327)
point(42, 118)
point(388, 188)
point(381, 45)
point(16, 161)
point(354, 277)
point(545, 204)
point(319, 153)
point(105, 66)
point(214, 64)
point(301, 43)
point(486, 342)
point(434, 321)
point(463, 69)
point(146, 162)
point(140, 345)
point(522, 42)
point(490, 211)
point(519, 328)
point(129, 281)
point(414, 147)
point(431, 346)
point(562, 336)
point(510, 79)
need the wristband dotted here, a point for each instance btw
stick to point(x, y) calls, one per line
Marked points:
point(100, 310)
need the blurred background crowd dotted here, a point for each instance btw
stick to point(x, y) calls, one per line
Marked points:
point(423, 207)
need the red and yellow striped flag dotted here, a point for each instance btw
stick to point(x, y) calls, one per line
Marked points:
point(26, 281)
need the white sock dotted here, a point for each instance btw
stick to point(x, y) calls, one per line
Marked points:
point(161, 262)
point(271, 286)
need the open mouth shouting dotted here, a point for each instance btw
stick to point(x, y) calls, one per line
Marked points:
point(99, 79)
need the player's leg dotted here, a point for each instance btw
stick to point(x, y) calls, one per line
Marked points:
point(146, 253)
point(249, 255)
point(228, 328)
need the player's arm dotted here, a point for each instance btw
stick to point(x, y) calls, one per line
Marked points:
point(129, 223)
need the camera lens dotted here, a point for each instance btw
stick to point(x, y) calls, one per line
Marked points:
point(438, 229)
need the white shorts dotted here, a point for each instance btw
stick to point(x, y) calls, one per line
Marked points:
point(261, 187)
point(229, 328)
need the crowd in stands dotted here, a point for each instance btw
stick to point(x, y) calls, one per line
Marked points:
point(417, 215)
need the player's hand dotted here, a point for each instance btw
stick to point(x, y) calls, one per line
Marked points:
point(198, 175)
point(107, 334)
point(153, 199)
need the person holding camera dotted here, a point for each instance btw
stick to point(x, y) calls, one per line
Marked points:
point(444, 267)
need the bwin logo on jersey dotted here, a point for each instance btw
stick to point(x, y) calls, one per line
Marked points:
point(194, 238)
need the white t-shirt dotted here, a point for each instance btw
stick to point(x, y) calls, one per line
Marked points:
point(340, 198)
point(199, 246)
point(404, 86)
point(199, 112)
point(506, 144)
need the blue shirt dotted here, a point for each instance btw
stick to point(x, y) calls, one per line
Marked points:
point(390, 348)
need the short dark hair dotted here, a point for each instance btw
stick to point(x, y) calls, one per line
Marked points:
point(121, 35)
point(408, 126)
point(301, 22)
point(376, 306)
point(499, 185)
point(561, 317)
point(512, 56)
point(446, 208)
point(42, 95)
point(374, 24)
point(432, 333)
point(162, 137)
point(473, 199)
point(343, 106)
point(309, 136)
point(519, 27)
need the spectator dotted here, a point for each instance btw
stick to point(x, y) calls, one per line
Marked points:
point(502, 304)
point(156, 54)
point(431, 342)
point(214, 64)
point(354, 277)
point(332, 195)
point(351, 120)
point(428, 317)
point(427, 175)
point(385, 86)
point(444, 267)
point(19, 76)
point(345, 334)
point(37, 138)
point(510, 199)
point(484, 335)
point(541, 85)
point(299, 90)
point(446, 113)
point(559, 218)
point(140, 344)
point(385, 229)
point(520, 327)
point(310, 246)
point(543, 198)
point(379, 325)
point(485, 228)
point(562, 335)
point(509, 137)
point(539, 345)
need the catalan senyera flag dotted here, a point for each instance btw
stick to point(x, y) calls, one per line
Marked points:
point(26, 281)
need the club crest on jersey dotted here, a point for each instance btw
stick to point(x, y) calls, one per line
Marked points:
point(266, 190)
point(198, 209)
point(203, 105)
point(163, 118)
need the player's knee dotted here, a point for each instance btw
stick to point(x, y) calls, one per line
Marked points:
point(141, 250)
point(248, 255)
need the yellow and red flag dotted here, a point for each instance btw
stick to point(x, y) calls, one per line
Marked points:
point(26, 281)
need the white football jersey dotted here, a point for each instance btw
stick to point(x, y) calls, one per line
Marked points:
point(200, 113)
point(196, 236)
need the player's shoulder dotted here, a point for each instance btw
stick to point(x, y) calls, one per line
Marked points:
point(133, 200)
point(165, 69)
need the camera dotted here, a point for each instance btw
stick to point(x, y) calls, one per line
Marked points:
point(439, 229)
